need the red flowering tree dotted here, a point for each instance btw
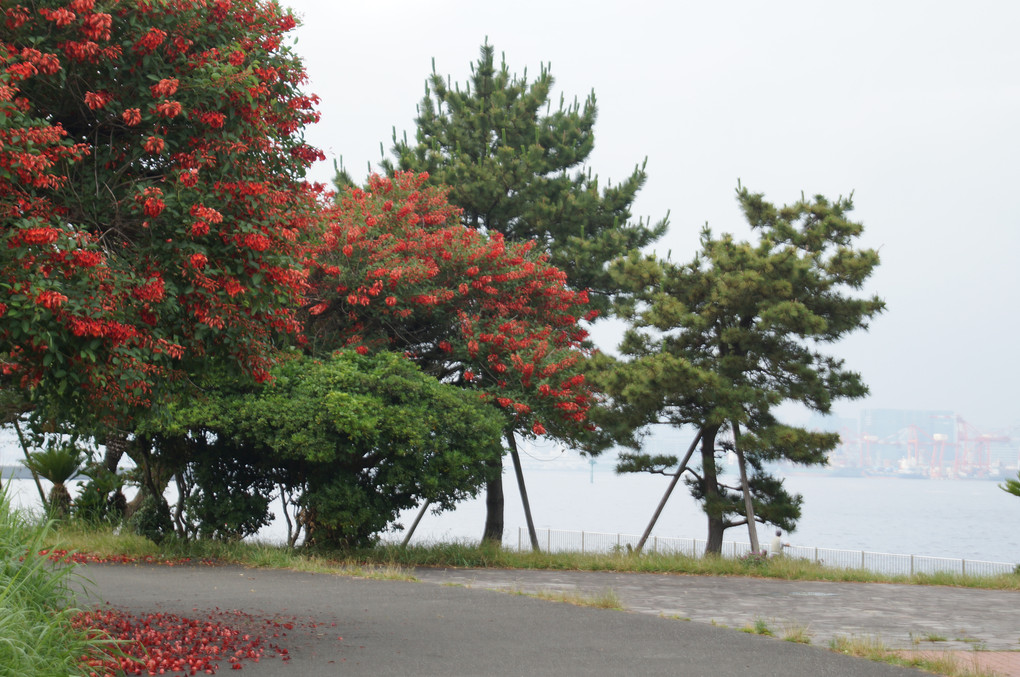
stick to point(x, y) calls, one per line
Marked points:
point(397, 271)
point(154, 212)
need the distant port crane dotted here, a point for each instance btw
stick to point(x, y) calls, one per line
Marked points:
point(914, 450)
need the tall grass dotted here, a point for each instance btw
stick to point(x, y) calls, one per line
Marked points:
point(37, 636)
point(103, 541)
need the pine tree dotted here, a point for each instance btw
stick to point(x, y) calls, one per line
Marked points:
point(723, 340)
point(518, 168)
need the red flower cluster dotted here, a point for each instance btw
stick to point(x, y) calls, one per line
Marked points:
point(168, 109)
point(165, 87)
point(396, 256)
point(132, 117)
point(97, 100)
point(150, 41)
point(168, 112)
point(151, 200)
point(50, 299)
point(154, 145)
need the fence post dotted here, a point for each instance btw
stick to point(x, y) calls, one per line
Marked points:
point(582, 542)
point(548, 540)
point(655, 544)
point(963, 564)
point(816, 554)
point(862, 559)
point(618, 541)
point(911, 565)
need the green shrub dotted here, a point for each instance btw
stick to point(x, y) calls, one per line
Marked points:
point(152, 520)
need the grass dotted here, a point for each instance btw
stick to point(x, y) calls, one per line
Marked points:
point(929, 637)
point(472, 555)
point(464, 555)
point(760, 627)
point(604, 599)
point(37, 634)
point(798, 634)
point(942, 664)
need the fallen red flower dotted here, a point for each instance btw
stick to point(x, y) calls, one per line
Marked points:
point(160, 643)
point(92, 558)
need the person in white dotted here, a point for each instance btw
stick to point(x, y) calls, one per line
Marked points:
point(777, 545)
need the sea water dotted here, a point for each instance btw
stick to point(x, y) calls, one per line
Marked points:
point(967, 519)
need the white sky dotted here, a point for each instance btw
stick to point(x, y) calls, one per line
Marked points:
point(914, 106)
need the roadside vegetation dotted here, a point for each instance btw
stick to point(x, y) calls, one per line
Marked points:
point(38, 635)
point(104, 543)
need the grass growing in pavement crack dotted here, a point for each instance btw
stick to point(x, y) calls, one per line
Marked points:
point(941, 664)
point(604, 599)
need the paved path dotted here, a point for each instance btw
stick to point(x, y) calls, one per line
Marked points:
point(897, 614)
point(404, 628)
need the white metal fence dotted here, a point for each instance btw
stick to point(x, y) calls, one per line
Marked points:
point(553, 540)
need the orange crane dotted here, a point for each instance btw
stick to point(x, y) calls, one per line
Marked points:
point(972, 450)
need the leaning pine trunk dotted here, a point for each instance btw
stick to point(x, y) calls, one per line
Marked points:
point(745, 488)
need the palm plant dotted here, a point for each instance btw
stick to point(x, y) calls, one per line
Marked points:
point(56, 463)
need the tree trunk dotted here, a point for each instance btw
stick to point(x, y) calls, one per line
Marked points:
point(710, 488)
point(24, 448)
point(60, 501)
point(716, 528)
point(512, 441)
point(752, 526)
point(154, 476)
point(117, 445)
point(132, 506)
point(494, 508)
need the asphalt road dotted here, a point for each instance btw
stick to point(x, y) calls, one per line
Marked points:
point(352, 627)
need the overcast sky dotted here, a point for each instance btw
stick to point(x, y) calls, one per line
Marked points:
point(913, 106)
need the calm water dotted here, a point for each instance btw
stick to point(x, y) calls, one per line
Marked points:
point(950, 518)
point(966, 519)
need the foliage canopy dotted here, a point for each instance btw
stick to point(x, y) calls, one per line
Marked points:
point(357, 438)
point(398, 271)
